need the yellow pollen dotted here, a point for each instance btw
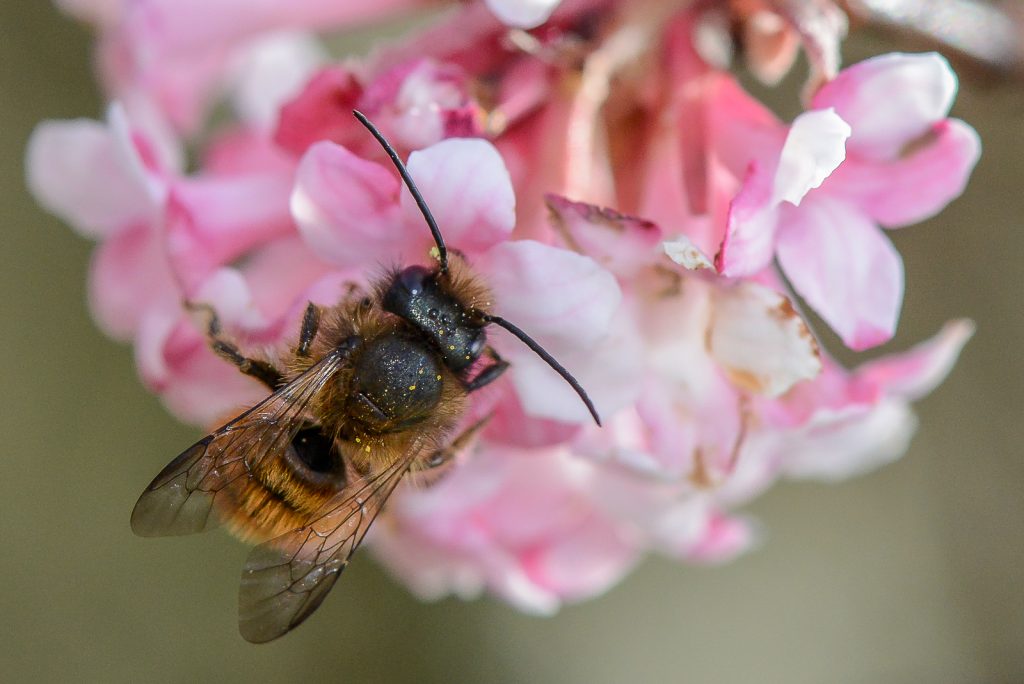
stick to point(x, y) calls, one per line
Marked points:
point(435, 252)
point(358, 440)
point(438, 377)
point(367, 447)
point(452, 347)
point(412, 387)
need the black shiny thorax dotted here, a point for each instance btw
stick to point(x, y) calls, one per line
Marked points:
point(396, 382)
point(418, 295)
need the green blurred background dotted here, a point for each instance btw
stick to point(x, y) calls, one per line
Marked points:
point(911, 574)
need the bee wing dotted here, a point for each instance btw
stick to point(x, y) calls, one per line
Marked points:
point(286, 579)
point(181, 498)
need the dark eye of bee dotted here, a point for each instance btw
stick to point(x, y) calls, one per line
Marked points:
point(314, 450)
point(315, 456)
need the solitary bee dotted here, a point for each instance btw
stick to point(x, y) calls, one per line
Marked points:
point(373, 390)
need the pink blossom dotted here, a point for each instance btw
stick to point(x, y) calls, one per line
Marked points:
point(825, 232)
point(626, 202)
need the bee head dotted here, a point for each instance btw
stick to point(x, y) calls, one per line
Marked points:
point(422, 297)
point(418, 295)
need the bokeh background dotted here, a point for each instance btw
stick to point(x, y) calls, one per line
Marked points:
point(912, 574)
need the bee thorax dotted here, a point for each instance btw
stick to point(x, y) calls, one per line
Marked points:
point(396, 382)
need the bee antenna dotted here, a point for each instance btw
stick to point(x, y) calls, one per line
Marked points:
point(404, 173)
point(548, 358)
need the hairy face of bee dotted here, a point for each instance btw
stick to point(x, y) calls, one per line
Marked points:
point(417, 296)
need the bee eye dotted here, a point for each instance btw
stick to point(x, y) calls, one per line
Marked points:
point(413, 279)
point(314, 455)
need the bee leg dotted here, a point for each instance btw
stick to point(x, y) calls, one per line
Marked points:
point(489, 373)
point(434, 467)
point(310, 326)
point(261, 370)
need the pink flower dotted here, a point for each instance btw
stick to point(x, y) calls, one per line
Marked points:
point(819, 214)
point(522, 123)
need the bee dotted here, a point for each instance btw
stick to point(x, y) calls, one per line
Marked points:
point(373, 390)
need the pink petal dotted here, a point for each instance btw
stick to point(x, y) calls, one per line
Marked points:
point(822, 26)
point(154, 330)
point(163, 28)
point(609, 372)
point(564, 300)
point(181, 86)
point(227, 291)
point(751, 225)
point(283, 276)
point(469, 192)
point(130, 275)
point(622, 244)
point(245, 151)
point(813, 148)
point(723, 539)
point(769, 46)
point(915, 373)
point(917, 186)
point(205, 390)
point(890, 100)
point(322, 110)
point(523, 13)
point(844, 267)
point(421, 102)
point(741, 130)
point(511, 425)
point(212, 221)
point(90, 175)
point(841, 444)
point(760, 341)
point(583, 562)
point(345, 207)
point(683, 422)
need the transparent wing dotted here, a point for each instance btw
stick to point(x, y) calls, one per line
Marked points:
point(182, 498)
point(286, 579)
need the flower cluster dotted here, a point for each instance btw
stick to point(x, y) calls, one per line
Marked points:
point(629, 203)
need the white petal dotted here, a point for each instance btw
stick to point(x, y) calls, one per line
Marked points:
point(686, 254)
point(80, 171)
point(523, 13)
point(815, 146)
point(841, 444)
point(760, 341)
point(271, 72)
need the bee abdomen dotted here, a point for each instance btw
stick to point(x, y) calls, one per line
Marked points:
point(285, 493)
